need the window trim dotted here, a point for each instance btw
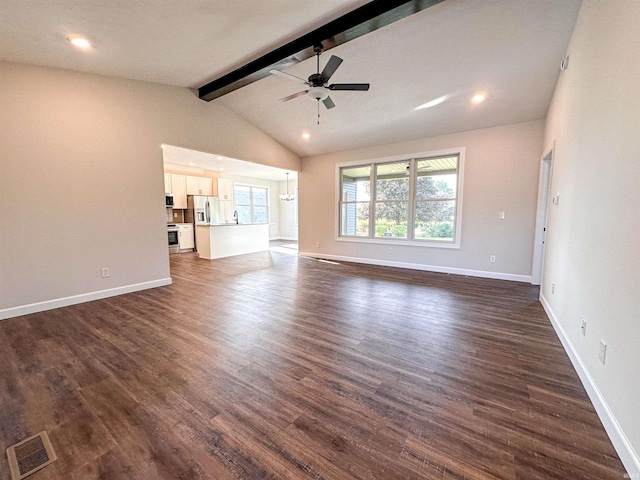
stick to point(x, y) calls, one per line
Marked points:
point(295, 206)
point(459, 151)
point(252, 186)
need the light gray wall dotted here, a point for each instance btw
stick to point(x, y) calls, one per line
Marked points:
point(593, 249)
point(288, 224)
point(81, 178)
point(501, 174)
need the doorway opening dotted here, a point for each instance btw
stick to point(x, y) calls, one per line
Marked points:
point(540, 239)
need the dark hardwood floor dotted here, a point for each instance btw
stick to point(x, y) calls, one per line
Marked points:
point(273, 366)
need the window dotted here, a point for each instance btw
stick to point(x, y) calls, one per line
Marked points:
point(295, 206)
point(392, 199)
point(412, 200)
point(252, 203)
point(354, 219)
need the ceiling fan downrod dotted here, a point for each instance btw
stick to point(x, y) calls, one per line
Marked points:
point(317, 49)
point(318, 82)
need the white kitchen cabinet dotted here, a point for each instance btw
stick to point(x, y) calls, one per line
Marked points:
point(226, 211)
point(225, 189)
point(192, 185)
point(186, 237)
point(199, 186)
point(225, 194)
point(182, 185)
point(205, 185)
point(179, 190)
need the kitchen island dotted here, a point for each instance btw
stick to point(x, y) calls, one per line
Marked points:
point(229, 239)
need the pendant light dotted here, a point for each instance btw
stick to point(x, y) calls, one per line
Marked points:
point(286, 197)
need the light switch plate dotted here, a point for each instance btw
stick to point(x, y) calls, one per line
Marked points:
point(603, 351)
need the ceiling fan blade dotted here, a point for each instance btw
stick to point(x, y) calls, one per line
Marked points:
point(288, 76)
point(330, 68)
point(295, 95)
point(349, 86)
point(328, 103)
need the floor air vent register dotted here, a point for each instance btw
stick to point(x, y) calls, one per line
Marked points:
point(30, 455)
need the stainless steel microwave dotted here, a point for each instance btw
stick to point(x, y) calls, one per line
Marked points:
point(168, 200)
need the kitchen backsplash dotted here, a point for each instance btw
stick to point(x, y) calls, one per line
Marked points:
point(175, 216)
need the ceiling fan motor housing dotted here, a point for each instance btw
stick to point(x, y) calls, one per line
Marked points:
point(319, 88)
point(317, 79)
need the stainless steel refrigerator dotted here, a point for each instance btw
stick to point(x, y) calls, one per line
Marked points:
point(202, 210)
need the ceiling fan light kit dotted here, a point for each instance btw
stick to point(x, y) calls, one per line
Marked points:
point(319, 82)
point(318, 93)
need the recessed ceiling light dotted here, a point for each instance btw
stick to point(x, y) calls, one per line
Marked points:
point(306, 135)
point(191, 164)
point(478, 98)
point(220, 158)
point(79, 42)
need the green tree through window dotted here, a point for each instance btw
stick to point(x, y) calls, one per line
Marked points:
point(419, 192)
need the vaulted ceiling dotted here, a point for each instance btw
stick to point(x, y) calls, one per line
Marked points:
point(508, 49)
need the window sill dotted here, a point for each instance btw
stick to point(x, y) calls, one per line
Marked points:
point(399, 241)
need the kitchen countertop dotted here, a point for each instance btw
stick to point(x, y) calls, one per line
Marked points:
point(232, 224)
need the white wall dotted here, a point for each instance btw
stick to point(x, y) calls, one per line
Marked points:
point(81, 179)
point(593, 249)
point(288, 212)
point(501, 174)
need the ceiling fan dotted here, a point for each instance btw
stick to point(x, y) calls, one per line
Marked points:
point(319, 87)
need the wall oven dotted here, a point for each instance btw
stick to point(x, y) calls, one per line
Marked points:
point(174, 242)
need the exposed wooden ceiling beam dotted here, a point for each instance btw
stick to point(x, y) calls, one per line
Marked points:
point(363, 20)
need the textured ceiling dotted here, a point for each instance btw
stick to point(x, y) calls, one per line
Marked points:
point(511, 49)
point(184, 43)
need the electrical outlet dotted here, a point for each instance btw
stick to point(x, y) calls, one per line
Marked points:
point(390, 250)
point(317, 244)
point(553, 288)
point(584, 327)
point(492, 259)
point(104, 272)
point(501, 215)
point(603, 351)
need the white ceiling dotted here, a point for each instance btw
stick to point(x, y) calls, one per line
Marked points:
point(185, 43)
point(511, 49)
point(192, 161)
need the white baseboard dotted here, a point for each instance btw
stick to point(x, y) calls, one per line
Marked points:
point(75, 299)
point(427, 268)
point(621, 443)
point(289, 239)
